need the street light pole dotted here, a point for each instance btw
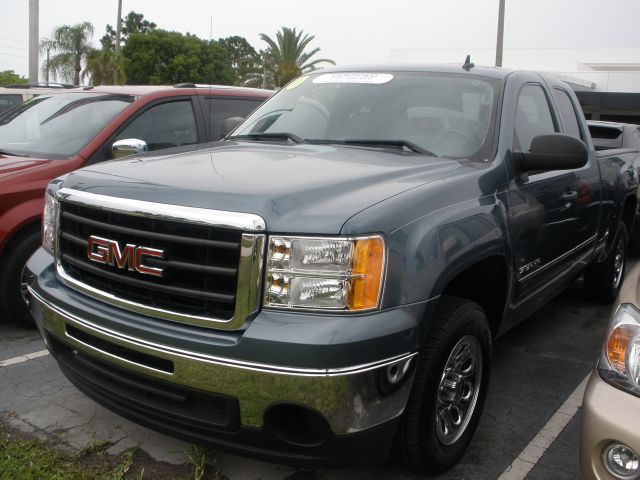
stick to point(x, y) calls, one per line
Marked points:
point(34, 40)
point(500, 34)
point(116, 71)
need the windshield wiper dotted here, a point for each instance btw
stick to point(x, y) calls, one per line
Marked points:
point(271, 136)
point(401, 144)
point(13, 154)
point(390, 143)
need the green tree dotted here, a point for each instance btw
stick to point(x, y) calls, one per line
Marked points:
point(73, 44)
point(132, 23)
point(244, 59)
point(8, 77)
point(161, 57)
point(102, 67)
point(286, 55)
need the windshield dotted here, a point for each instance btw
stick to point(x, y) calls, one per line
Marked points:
point(446, 115)
point(57, 126)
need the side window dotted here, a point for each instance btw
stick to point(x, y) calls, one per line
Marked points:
point(221, 109)
point(568, 113)
point(8, 101)
point(164, 126)
point(533, 117)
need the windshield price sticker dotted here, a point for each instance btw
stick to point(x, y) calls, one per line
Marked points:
point(354, 77)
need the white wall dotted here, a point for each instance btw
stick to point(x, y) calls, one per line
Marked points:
point(610, 69)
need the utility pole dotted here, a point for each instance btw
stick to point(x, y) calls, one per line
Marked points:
point(34, 40)
point(500, 34)
point(116, 72)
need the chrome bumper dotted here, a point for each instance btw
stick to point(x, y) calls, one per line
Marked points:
point(351, 399)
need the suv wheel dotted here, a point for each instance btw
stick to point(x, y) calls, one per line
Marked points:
point(14, 298)
point(450, 385)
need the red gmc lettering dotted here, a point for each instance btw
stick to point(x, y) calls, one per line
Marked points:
point(108, 252)
point(124, 259)
point(98, 249)
point(148, 252)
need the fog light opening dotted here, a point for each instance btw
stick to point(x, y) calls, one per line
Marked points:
point(621, 461)
point(296, 424)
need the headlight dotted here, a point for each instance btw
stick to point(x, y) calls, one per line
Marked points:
point(49, 221)
point(324, 273)
point(620, 360)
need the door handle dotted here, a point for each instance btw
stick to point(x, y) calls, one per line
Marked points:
point(568, 198)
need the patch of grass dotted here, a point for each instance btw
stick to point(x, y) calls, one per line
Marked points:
point(203, 464)
point(28, 459)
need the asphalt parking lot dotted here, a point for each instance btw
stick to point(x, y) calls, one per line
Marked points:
point(529, 427)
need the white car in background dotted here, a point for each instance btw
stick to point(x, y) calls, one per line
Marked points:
point(15, 94)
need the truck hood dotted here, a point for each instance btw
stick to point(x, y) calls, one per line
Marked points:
point(10, 165)
point(295, 188)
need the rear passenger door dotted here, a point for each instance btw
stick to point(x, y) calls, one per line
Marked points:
point(218, 111)
point(542, 204)
point(587, 178)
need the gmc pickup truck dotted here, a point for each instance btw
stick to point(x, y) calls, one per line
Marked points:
point(325, 284)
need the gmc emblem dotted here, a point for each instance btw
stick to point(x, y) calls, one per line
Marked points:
point(107, 252)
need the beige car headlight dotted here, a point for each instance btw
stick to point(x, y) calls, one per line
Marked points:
point(620, 360)
point(324, 273)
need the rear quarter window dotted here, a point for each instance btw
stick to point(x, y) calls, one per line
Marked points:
point(568, 113)
point(9, 100)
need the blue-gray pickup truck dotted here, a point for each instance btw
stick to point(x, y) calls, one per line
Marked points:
point(325, 284)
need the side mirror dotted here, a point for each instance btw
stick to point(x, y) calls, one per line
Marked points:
point(557, 151)
point(229, 125)
point(128, 146)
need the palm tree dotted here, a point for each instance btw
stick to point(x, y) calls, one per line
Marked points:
point(73, 42)
point(103, 67)
point(287, 58)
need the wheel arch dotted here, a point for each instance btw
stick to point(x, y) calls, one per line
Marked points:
point(485, 282)
point(26, 215)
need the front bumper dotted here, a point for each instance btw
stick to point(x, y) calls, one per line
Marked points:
point(608, 415)
point(274, 411)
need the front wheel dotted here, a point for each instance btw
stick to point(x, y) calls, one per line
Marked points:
point(449, 388)
point(602, 281)
point(14, 297)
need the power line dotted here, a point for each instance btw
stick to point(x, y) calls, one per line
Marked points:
point(13, 48)
point(13, 40)
point(16, 56)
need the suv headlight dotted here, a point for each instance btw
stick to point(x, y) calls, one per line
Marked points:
point(324, 273)
point(619, 363)
point(49, 220)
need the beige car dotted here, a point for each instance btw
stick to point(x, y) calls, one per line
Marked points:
point(610, 434)
point(15, 94)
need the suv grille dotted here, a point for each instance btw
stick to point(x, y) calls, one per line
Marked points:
point(200, 262)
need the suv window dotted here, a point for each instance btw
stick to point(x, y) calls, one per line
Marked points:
point(221, 109)
point(568, 113)
point(533, 117)
point(166, 125)
point(8, 101)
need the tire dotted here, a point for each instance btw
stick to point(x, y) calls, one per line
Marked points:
point(423, 444)
point(602, 281)
point(14, 304)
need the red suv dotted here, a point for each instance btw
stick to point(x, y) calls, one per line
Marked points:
point(52, 135)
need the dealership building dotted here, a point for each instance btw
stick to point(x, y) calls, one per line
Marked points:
point(606, 80)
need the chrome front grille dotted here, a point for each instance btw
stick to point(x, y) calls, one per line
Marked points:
point(211, 269)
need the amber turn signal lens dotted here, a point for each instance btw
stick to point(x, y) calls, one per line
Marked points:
point(617, 345)
point(368, 260)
